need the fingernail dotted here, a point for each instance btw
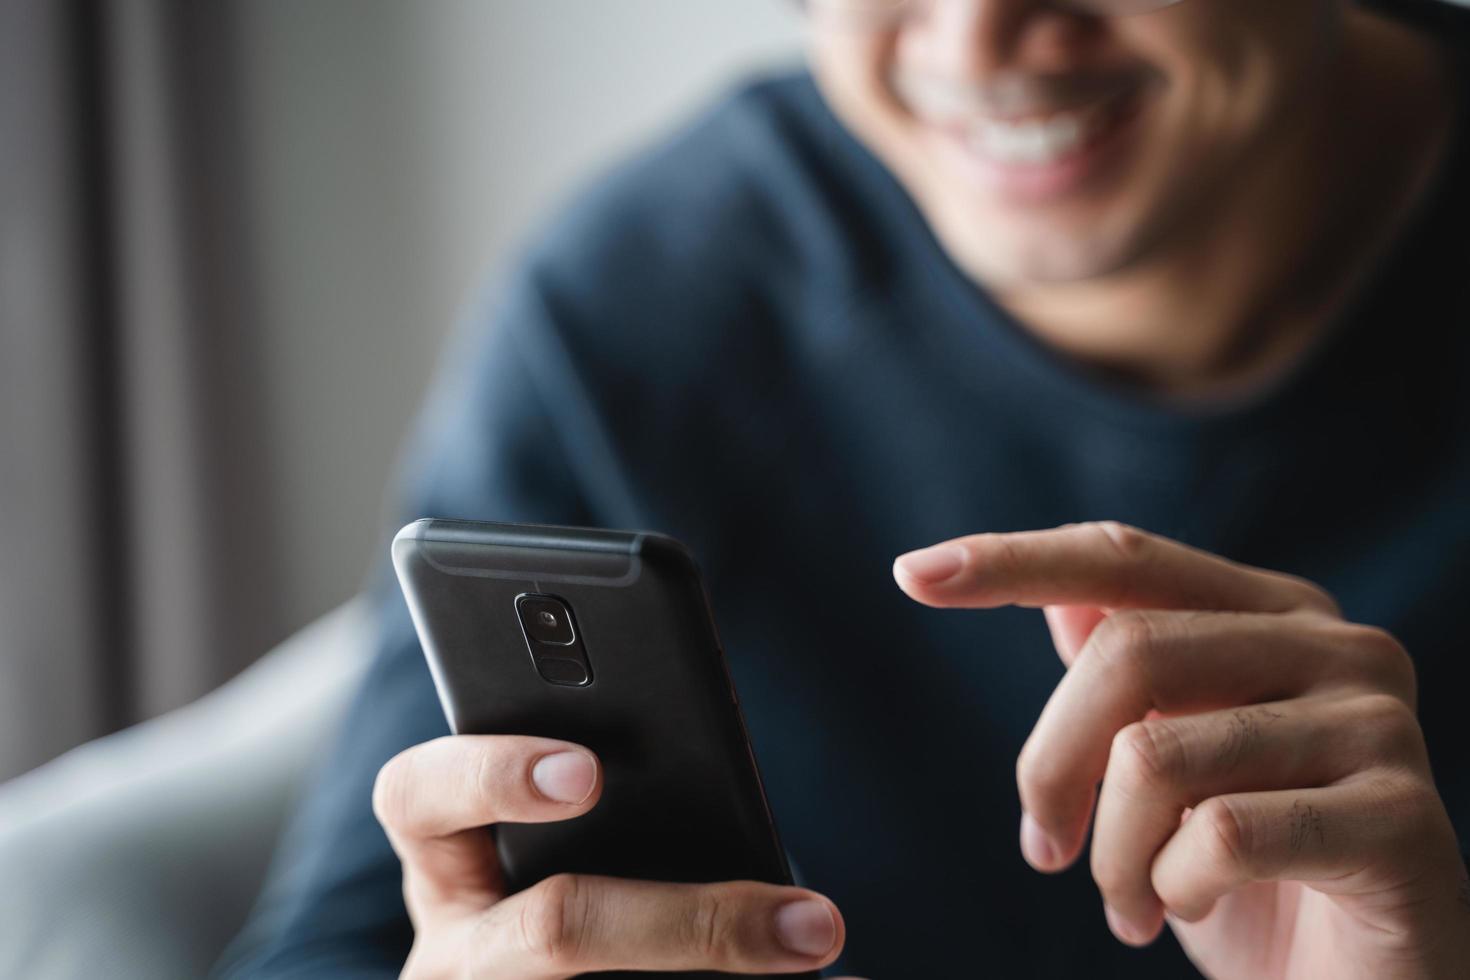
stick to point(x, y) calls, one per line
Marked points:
point(931, 565)
point(1036, 844)
point(806, 927)
point(566, 777)
point(1122, 928)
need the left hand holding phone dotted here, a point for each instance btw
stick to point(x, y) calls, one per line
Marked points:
point(436, 800)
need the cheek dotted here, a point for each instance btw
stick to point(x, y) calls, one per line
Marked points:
point(853, 69)
point(1231, 77)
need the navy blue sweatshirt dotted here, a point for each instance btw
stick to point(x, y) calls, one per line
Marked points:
point(751, 340)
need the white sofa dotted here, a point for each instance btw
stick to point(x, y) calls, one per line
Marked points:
point(139, 855)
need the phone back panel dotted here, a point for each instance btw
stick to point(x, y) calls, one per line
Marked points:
point(682, 799)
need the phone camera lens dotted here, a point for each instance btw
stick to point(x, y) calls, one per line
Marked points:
point(546, 620)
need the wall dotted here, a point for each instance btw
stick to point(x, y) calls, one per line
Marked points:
point(395, 151)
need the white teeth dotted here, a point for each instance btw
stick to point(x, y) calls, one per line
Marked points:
point(1034, 141)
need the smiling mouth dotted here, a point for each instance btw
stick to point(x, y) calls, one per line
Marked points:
point(1018, 122)
point(1040, 140)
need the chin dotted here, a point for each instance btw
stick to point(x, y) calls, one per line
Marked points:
point(1008, 249)
point(1042, 259)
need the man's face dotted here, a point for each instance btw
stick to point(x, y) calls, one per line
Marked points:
point(1048, 145)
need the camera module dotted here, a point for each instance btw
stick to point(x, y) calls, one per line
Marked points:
point(546, 620)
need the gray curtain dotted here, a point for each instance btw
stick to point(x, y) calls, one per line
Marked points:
point(135, 516)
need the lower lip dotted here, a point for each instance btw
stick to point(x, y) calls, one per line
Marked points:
point(1036, 183)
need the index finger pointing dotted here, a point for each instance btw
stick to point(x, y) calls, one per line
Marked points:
point(1106, 564)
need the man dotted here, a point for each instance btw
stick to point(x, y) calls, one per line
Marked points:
point(1006, 265)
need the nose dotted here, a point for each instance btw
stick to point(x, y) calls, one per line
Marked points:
point(971, 39)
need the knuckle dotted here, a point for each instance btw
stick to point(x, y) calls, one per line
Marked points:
point(1127, 541)
point(713, 925)
point(1315, 595)
point(1125, 641)
point(1111, 877)
point(1389, 726)
point(548, 926)
point(486, 780)
point(1147, 754)
point(1000, 553)
point(1418, 799)
point(1041, 779)
point(1386, 658)
point(1309, 595)
point(1241, 738)
point(1224, 834)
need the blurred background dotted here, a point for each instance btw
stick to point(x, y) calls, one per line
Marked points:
point(232, 238)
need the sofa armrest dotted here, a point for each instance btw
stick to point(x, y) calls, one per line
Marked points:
point(140, 854)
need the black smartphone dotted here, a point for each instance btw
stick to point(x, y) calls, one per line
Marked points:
point(604, 638)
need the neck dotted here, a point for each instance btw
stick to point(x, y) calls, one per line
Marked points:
point(1237, 298)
